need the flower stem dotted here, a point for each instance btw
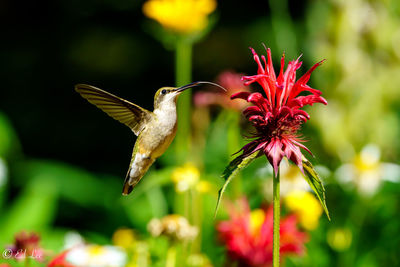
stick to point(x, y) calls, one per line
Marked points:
point(196, 219)
point(283, 26)
point(171, 256)
point(183, 73)
point(276, 203)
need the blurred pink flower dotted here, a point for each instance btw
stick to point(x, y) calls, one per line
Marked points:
point(26, 245)
point(233, 84)
point(248, 235)
point(278, 116)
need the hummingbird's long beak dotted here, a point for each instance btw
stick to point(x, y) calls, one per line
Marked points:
point(194, 84)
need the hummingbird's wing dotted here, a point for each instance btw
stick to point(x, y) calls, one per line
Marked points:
point(124, 111)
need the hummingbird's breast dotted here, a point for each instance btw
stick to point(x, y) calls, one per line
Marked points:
point(160, 132)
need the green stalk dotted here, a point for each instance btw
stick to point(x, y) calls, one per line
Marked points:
point(141, 254)
point(283, 26)
point(355, 221)
point(183, 73)
point(186, 204)
point(276, 203)
point(171, 256)
point(180, 203)
point(196, 219)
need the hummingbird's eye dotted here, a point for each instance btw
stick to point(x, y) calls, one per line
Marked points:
point(164, 92)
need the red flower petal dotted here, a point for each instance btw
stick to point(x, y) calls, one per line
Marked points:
point(252, 110)
point(302, 146)
point(274, 153)
point(270, 67)
point(301, 86)
point(310, 100)
point(293, 153)
point(242, 95)
point(280, 79)
point(302, 114)
point(60, 261)
point(256, 119)
point(258, 100)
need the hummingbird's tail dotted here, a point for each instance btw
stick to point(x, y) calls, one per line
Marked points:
point(127, 189)
point(137, 169)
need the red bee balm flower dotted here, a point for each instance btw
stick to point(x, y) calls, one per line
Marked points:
point(247, 235)
point(278, 117)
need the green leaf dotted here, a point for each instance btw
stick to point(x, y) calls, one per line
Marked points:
point(231, 171)
point(9, 142)
point(315, 182)
point(70, 182)
point(33, 210)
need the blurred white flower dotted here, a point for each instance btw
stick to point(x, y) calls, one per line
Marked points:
point(291, 179)
point(73, 239)
point(173, 226)
point(96, 256)
point(367, 172)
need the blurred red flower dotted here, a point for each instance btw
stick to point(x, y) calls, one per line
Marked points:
point(60, 261)
point(231, 81)
point(278, 117)
point(27, 245)
point(247, 235)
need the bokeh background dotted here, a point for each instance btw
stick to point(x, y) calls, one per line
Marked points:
point(62, 161)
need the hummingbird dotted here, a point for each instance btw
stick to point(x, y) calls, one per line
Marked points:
point(155, 130)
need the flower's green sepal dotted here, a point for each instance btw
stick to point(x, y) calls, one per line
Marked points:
point(315, 182)
point(231, 171)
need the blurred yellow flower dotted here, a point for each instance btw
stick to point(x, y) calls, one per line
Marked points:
point(182, 16)
point(124, 238)
point(203, 186)
point(257, 218)
point(339, 239)
point(306, 207)
point(188, 177)
point(95, 250)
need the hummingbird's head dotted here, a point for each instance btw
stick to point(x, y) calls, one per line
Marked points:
point(165, 95)
point(169, 95)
